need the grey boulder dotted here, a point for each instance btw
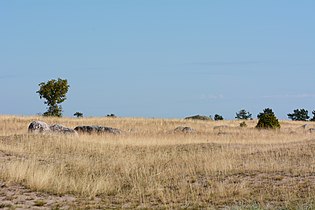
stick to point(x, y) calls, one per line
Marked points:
point(94, 129)
point(56, 128)
point(38, 127)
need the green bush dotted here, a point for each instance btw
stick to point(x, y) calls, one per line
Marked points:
point(268, 121)
point(266, 111)
point(218, 117)
point(243, 124)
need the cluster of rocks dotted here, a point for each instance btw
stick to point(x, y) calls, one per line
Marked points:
point(97, 129)
point(39, 127)
point(198, 117)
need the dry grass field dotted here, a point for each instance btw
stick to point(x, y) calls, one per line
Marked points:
point(150, 166)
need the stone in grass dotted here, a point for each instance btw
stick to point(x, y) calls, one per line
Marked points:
point(60, 129)
point(38, 127)
point(183, 129)
point(198, 117)
point(94, 129)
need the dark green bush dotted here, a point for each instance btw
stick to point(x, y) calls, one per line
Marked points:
point(266, 111)
point(218, 117)
point(268, 121)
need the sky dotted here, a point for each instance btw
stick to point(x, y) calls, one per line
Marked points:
point(161, 59)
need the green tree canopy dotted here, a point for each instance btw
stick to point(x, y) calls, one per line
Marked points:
point(243, 115)
point(299, 115)
point(265, 111)
point(54, 92)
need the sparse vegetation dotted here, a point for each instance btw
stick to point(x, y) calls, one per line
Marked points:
point(150, 166)
point(54, 92)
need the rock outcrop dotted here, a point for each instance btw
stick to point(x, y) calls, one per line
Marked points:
point(56, 128)
point(38, 127)
point(198, 117)
point(94, 129)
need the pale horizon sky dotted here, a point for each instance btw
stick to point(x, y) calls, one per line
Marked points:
point(163, 59)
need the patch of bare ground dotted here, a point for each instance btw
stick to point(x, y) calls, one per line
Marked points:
point(16, 196)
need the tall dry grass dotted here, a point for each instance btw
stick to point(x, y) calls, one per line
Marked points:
point(151, 166)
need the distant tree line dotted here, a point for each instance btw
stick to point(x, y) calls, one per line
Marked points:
point(54, 92)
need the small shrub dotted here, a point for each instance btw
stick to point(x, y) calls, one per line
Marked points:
point(111, 115)
point(78, 114)
point(39, 203)
point(218, 117)
point(243, 124)
point(268, 121)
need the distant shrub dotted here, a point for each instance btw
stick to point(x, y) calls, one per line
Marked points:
point(243, 115)
point(243, 124)
point(299, 115)
point(198, 117)
point(218, 117)
point(268, 121)
point(111, 115)
point(78, 114)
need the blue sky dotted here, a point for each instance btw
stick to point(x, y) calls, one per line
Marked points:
point(163, 58)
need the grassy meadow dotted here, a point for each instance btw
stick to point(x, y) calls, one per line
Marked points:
point(151, 166)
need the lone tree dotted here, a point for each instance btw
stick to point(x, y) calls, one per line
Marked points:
point(267, 120)
point(243, 115)
point(54, 92)
point(299, 115)
point(218, 117)
point(78, 114)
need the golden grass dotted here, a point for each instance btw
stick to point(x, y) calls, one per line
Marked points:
point(152, 167)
